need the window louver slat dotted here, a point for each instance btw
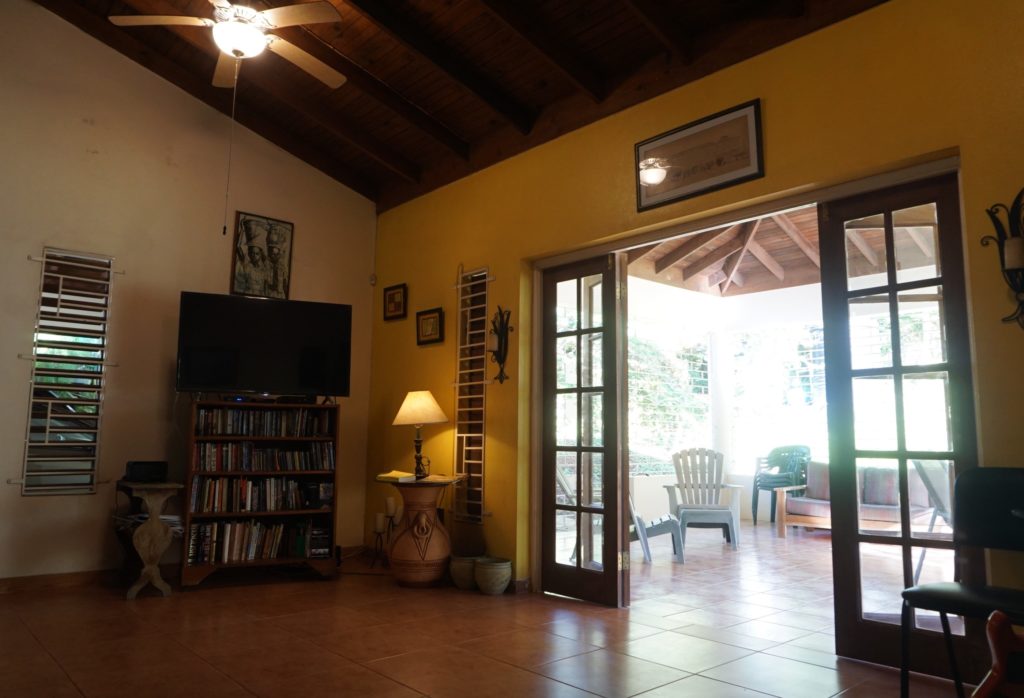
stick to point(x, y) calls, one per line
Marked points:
point(68, 372)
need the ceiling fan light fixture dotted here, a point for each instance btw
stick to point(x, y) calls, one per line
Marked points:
point(239, 39)
point(653, 171)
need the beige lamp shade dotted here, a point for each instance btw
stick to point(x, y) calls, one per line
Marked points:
point(419, 407)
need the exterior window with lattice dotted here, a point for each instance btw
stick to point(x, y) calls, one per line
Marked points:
point(69, 354)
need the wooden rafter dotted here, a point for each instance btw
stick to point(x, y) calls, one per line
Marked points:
point(517, 17)
point(689, 247)
point(458, 69)
point(861, 244)
point(638, 253)
point(712, 258)
point(100, 28)
point(746, 237)
point(764, 257)
point(665, 27)
point(925, 244)
point(805, 245)
point(371, 86)
point(293, 95)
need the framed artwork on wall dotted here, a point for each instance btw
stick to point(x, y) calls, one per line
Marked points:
point(262, 260)
point(395, 300)
point(430, 326)
point(711, 153)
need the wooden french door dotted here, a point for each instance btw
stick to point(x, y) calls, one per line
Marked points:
point(582, 529)
point(900, 409)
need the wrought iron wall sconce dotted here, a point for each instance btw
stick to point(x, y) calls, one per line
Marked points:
point(497, 341)
point(1010, 241)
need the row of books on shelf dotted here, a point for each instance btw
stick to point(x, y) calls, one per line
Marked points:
point(246, 541)
point(227, 421)
point(240, 494)
point(244, 455)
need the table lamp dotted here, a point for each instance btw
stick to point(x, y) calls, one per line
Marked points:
point(419, 408)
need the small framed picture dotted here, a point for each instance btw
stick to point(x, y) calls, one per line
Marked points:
point(430, 326)
point(395, 298)
point(262, 261)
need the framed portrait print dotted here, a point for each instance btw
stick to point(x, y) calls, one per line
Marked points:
point(430, 326)
point(262, 260)
point(395, 299)
point(704, 155)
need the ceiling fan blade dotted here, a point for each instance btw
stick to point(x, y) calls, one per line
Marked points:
point(224, 4)
point(306, 13)
point(159, 20)
point(314, 66)
point(224, 73)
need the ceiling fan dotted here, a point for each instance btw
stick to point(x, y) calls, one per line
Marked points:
point(242, 32)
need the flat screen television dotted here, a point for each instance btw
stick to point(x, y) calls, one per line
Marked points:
point(236, 344)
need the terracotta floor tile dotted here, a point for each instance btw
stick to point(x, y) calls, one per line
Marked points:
point(742, 609)
point(528, 648)
point(819, 642)
point(458, 673)
point(708, 617)
point(700, 687)
point(600, 631)
point(768, 631)
point(347, 680)
point(610, 674)
point(683, 652)
point(377, 642)
point(185, 679)
point(795, 619)
point(727, 636)
point(452, 629)
point(782, 677)
point(52, 683)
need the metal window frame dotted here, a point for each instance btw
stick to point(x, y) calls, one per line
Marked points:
point(76, 313)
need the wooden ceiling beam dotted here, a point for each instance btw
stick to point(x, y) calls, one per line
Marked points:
point(805, 245)
point(690, 246)
point(446, 60)
point(746, 238)
point(861, 244)
point(665, 26)
point(638, 253)
point(765, 257)
point(100, 28)
point(712, 258)
point(309, 42)
point(925, 244)
point(285, 91)
point(516, 17)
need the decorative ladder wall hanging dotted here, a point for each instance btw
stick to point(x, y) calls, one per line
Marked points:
point(470, 393)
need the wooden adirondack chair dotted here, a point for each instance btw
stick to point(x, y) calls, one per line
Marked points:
point(697, 497)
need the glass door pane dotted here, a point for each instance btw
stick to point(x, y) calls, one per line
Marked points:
point(580, 512)
point(900, 408)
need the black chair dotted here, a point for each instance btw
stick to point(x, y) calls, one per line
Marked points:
point(785, 466)
point(988, 508)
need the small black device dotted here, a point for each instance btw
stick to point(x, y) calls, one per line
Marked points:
point(146, 471)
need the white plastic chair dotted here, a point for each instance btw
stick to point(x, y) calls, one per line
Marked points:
point(696, 498)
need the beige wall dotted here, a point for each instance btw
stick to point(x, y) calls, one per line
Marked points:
point(896, 84)
point(100, 155)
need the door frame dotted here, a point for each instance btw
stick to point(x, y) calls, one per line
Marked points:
point(893, 174)
point(611, 585)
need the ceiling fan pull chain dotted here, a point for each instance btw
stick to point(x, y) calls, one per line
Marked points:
point(231, 142)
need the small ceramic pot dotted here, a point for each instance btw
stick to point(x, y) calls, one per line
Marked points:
point(492, 574)
point(462, 570)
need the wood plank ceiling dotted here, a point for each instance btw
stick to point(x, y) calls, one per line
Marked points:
point(438, 89)
point(780, 250)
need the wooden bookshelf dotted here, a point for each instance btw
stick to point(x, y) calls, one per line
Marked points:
point(259, 487)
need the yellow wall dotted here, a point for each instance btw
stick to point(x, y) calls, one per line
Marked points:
point(892, 85)
point(100, 155)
